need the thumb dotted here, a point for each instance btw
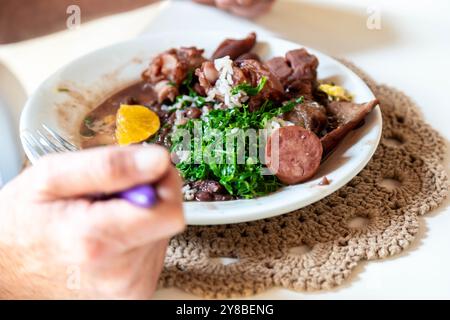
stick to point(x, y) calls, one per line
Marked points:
point(99, 170)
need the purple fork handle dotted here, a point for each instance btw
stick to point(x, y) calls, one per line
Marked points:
point(143, 196)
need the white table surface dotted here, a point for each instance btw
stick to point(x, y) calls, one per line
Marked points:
point(411, 51)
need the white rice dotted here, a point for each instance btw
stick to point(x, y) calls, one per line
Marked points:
point(224, 85)
point(180, 119)
point(221, 91)
point(179, 104)
point(205, 111)
point(188, 192)
point(276, 123)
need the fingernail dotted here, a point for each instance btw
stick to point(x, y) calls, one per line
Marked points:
point(144, 158)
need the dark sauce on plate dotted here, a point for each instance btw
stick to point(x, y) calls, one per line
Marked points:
point(98, 127)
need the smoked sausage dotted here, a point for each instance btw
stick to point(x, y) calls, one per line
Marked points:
point(297, 155)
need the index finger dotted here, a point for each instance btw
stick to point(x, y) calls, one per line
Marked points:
point(99, 170)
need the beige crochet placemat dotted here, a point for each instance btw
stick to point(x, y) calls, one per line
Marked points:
point(405, 179)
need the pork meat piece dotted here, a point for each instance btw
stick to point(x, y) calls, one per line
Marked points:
point(234, 48)
point(297, 72)
point(207, 75)
point(280, 69)
point(343, 111)
point(254, 71)
point(173, 65)
point(309, 115)
point(348, 116)
point(165, 91)
point(299, 88)
point(304, 65)
point(244, 71)
point(249, 55)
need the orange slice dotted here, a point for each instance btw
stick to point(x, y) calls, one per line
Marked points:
point(135, 123)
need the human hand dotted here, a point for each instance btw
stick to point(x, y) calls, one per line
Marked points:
point(244, 8)
point(56, 243)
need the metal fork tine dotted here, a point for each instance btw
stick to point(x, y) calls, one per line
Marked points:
point(46, 141)
point(38, 145)
point(33, 145)
point(53, 146)
point(64, 142)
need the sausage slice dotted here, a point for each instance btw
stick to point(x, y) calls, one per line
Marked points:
point(296, 157)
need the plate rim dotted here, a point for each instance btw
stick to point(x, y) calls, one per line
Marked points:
point(217, 218)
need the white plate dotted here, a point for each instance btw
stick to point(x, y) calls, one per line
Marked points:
point(93, 77)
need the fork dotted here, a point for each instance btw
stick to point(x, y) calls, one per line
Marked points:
point(46, 141)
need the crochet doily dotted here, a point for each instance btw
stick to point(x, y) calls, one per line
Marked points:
point(374, 216)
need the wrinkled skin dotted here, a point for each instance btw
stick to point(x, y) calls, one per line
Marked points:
point(55, 243)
